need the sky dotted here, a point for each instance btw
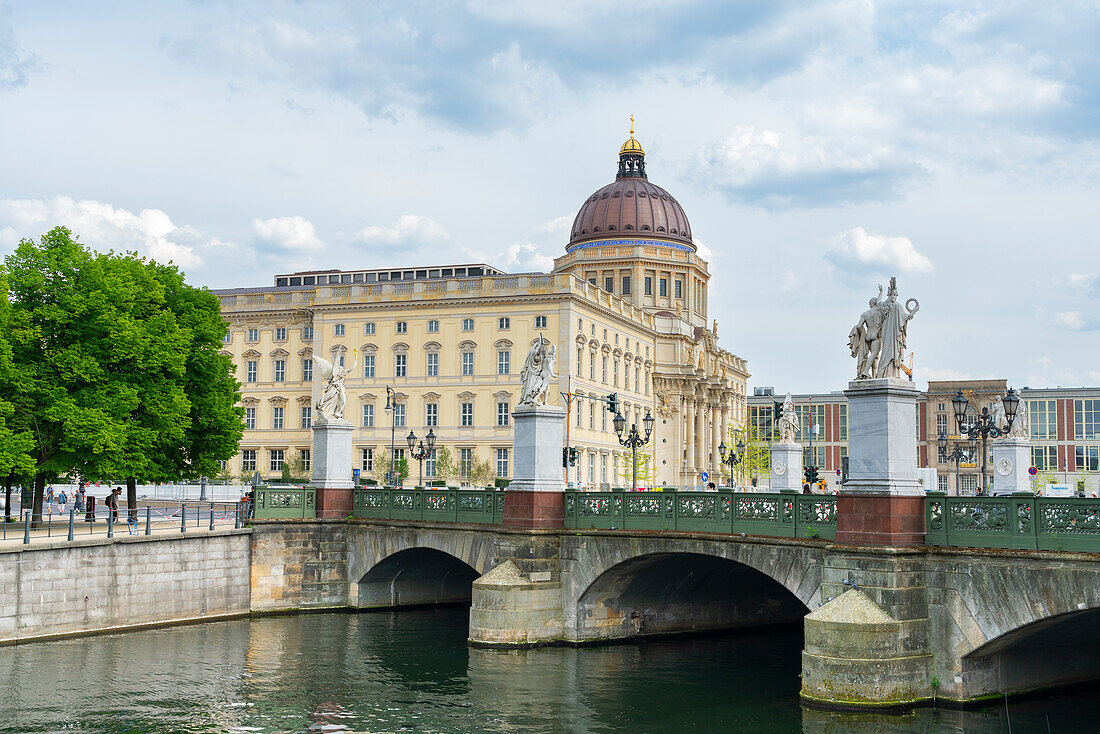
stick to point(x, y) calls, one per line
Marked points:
point(818, 148)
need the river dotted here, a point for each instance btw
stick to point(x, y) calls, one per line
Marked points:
point(412, 672)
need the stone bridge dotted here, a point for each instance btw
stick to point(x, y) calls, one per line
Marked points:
point(883, 626)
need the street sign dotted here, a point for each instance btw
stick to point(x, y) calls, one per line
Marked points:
point(705, 477)
point(838, 472)
point(355, 473)
point(1032, 471)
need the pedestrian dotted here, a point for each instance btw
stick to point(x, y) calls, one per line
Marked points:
point(711, 487)
point(112, 504)
point(49, 500)
point(78, 501)
point(62, 500)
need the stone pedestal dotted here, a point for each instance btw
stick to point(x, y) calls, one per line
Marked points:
point(786, 466)
point(332, 463)
point(881, 503)
point(1011, 461)
point(535, 498)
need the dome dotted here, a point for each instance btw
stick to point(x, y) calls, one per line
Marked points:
point(631, 206)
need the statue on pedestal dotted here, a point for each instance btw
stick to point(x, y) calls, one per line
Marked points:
point(334, 397)
point(1021, 425)
point(538, 372)
point(788, 422)
point(877, 341)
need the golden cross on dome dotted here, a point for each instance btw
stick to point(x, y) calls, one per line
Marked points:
point(632, 126)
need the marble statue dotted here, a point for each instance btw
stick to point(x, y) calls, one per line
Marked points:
point(538, 372)
point(334, 397)
point(997, 413)
point(788, 422)
point(1020, 426)
point(877, 341)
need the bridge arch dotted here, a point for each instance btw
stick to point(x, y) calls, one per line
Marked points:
point(624, 587)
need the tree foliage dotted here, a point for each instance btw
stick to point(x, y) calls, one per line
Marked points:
point(445, 468)
point(757, 460)
point(643, 463)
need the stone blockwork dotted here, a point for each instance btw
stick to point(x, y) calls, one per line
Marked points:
point(102, 584)
point(299, 564)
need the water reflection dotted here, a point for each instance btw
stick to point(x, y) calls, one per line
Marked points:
point(413, 672)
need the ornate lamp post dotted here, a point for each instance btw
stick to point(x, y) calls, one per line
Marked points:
point(391, 401)
point(958, 453)
point(421, 453)
point(986, 425)
point(734, 458)
point(633, 440)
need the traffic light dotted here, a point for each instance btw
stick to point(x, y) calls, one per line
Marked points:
point(778, 412)
point(806, 475)
point(565, 456)
point(573, 456)
point(613, 404)
point(811, 474)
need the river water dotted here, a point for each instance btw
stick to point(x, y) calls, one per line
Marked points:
point(412, 672)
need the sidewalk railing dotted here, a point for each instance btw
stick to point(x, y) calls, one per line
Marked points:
point(1021, 521)
point(484, 506)
point(286, 503)
point(75, 524)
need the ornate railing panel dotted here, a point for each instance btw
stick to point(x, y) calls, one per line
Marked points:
point(281, 503)
point(1020, 521)
point(438, 505)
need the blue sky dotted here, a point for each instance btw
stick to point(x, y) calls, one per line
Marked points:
point(817, 147)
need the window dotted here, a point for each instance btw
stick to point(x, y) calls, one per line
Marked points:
point(366, 463)
point(679, 288)
point(368, 328)
point(941, 424)
point(540, 322)
point(603, 468)
point(467, 324)
point(304, 455)
point(503, 412)
point(276, 456)
point(941, 454)
point(592, 416)
point(307, 332)
point(502, 462)
point(609, 285)
point(433, 364)
point(429, 463)
point(603, 372)
point(402, 327)
point(250, 418)
point(467, 414)
point(626, 285)
point(307, 370)
point(805, 414)
point(592, 366)
point(615, 372)
point(340, 360)
point(338, 330)
point(465, 462)
point(504, 323)
point(253, 335)
point(637, 377)
point(816, 459)
point(467, 363)
point(591, 469)
point(663, 282)
point(307, 416)
point(941, 482)
point(228, 337)
point(277, 417)
point(248, 460)
point(399, 415)
point(368, 415)
point(842, 413)
point(579, 411)
point(503, 363)
point(431, 415)
point(646, 383)
point(648, 286)
point(433, 326)
point(251, 370)
point(280, 335)
point(603, 420)
point(280, 370)
point(968, 484)
point(580, 325)
point(400, 365)
point(368, 366)
point(1043, 419)
point(1044, 458)
point(1087, 458)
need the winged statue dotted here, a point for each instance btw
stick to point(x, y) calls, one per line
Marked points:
point(333, 395)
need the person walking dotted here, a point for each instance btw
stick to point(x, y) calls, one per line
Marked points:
point(112, 504)
point(49, 500)
point(78, 500)
point(62, 500)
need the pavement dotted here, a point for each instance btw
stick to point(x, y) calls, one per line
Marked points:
point(55, 527)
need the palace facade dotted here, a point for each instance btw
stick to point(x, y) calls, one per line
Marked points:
point(443, 346)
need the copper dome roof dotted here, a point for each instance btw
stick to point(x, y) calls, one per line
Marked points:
point(631, 206)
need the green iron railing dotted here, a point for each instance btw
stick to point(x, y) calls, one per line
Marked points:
point(281, 503)
point(440, 505)
point(1021, 521)
point(752, 513)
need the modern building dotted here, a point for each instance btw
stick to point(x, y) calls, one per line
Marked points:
point(1064, 427)
point(443, 345)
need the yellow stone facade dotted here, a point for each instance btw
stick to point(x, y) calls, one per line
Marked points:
point(452, 349)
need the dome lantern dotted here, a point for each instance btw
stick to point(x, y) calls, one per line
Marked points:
point(631, 157)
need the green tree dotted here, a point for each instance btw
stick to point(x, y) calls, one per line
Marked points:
point(757, 459)
point(643, 463)
point(16, 440)
point(402, 470)
point(445, 468)
point(294, 470)
point(481, 472)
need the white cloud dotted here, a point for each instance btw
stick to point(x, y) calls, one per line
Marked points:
point(788, 281)
point(1045, 372)
point(557, 225)
point(704, 252)
point(288, 233)
point(1070, 320)
point(859, 250)
point(524, 258)
point(101, 226)
point(408, 229)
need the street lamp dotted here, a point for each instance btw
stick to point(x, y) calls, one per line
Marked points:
point(422, 452)
point(633, 440)
point(735, 457)
point(985, 425)
point(958, 453)
point(391, 401)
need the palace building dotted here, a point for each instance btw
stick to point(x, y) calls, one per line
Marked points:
point(626, 306)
